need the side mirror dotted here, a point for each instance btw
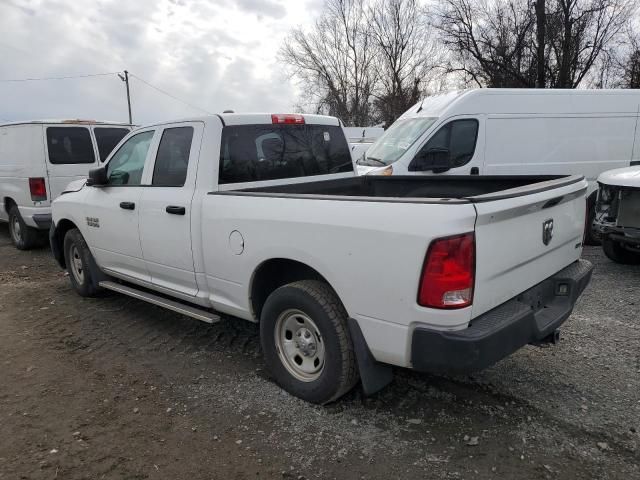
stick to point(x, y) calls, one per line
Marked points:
point(434, 159)
point(98, 176)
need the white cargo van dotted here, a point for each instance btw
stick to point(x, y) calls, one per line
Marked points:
point(513, 132)
point(361, 138)
point(38, 159)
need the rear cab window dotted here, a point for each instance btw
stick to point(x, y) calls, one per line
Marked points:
point(107, 138)
point(69, 146)
point(251, 153)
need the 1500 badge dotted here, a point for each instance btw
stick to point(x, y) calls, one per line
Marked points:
point(93, 222)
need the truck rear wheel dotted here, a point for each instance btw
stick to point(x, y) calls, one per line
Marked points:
point(23, 236)
point(80, 264)
point(616, 252)
point(306, 342)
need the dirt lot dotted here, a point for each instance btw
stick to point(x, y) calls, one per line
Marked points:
point(115, 388)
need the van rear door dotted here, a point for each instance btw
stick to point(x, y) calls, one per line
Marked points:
point(70, 154)
point(524, 236)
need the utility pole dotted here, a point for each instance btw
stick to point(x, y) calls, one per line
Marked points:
point(125, 79)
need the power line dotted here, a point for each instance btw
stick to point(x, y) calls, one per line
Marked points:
point(169, 95)
point(57, 78)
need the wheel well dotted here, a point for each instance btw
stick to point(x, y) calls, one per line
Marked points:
point(8, 202)
point(62, 227)
point(275, 273)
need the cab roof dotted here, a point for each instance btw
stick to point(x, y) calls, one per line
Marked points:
point(253, 119)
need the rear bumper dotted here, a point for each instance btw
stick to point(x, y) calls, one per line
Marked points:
point(530, 317)
point(36, 217)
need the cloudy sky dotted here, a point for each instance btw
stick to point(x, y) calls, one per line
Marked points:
point(214, 54)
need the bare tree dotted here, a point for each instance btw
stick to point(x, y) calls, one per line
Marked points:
point(519, 43)
point(408, 56)
point(365, 61)
point(579, 31)
point(629, 66)
point(490, 42)
point(334, 61)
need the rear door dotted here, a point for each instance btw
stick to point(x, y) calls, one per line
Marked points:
point(165, 209)
point(107, 137)
point(70, 154)
point(524, 236)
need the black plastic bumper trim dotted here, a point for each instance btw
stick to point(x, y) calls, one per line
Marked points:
point(528, 318)
point(42, 220)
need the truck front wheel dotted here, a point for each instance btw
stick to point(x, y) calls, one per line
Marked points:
point(616, 252)
point(306, 342)
point(80, 264)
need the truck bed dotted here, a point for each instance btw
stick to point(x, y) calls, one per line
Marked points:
point(417, 188)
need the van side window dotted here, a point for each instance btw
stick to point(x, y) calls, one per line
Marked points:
point(172, 159)
point(69, 145)
point(456, 141)
point(107, 138)
point(127, 164)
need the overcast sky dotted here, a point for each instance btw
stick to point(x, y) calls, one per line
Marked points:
point(215, 54)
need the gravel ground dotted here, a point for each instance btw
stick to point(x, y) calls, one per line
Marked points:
point(115, 388)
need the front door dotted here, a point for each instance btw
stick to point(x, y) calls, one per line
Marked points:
point(456, 148)
point(112, 211)
point(165, 210)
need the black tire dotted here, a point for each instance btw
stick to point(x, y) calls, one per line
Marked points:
point(320, 303)
point(592, 237)
point(616, 252)
point(80, 264)
point(23, 236)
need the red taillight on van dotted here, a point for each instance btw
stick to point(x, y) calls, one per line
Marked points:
point(448, 273)
point(38, 189)
point(287, 119)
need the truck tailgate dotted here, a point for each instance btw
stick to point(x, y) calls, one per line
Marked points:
point(524, 236)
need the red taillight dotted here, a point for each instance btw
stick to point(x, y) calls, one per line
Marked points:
point(448, 273)
point(38, 189)
point(287, 119)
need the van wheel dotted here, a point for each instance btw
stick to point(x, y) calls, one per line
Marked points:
point(306, 342)
point(615, 251)
point(23, 236)
point(80, 264)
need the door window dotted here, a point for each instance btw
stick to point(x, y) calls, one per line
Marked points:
point(107, 139)
point(126, 166)
point(69, 145)
point(455, 142)
point(172, 160)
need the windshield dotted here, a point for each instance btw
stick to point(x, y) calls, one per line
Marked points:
point(395, 141)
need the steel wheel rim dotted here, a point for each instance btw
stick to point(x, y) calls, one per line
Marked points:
point(300, 345)
point(16, 230)
point(77, 268)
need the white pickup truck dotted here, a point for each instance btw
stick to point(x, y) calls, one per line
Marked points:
point(261, 217)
